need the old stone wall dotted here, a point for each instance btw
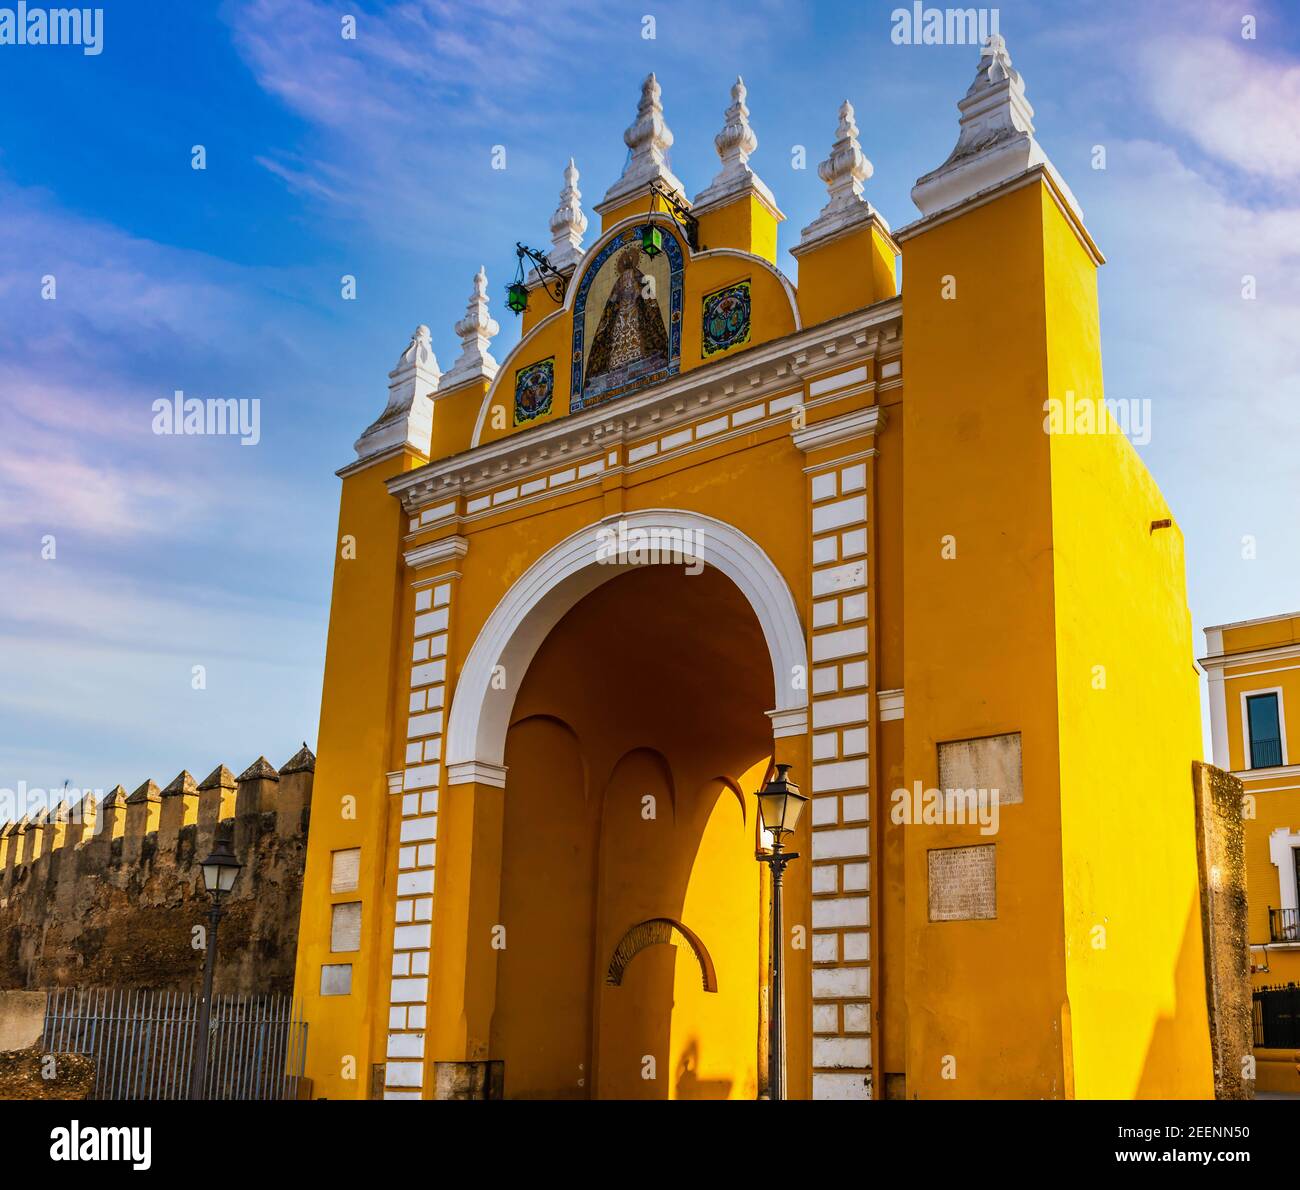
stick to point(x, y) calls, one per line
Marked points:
point(1221, 839)
point(108, 892)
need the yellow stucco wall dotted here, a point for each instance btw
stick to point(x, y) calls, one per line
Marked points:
point(1258, 656)
point(1052, 570)
point(349, 806)
point(1129, 714)
point(977, 473)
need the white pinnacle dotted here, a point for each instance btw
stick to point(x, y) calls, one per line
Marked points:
point(649, 138)
point(408, 416)
point(843, 171)
point(735, 143)
point(476, 330)
point(568, 223)
point(996, 142)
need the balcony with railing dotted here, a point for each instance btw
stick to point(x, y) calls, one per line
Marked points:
point(1284, 925)
point(1265, 754)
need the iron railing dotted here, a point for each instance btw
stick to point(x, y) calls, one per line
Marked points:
point(1277, 1017)
point(1284, 925)
point(142, 1042)
point(1265, 754)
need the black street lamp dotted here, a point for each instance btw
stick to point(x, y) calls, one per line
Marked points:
point(779, 806)
point(219, 872)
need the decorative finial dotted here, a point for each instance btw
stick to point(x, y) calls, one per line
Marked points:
point(996, 142)
point(847, 167)
point(735, 143)
point(843, 171)
point(408, 416)
point(649, 138)
point(476, 330)
point(568, 223)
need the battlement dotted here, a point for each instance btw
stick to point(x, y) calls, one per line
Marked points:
point(106, 890)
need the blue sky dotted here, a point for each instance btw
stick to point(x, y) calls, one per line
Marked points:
point(372, 157)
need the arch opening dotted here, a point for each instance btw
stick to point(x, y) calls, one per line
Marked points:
point(651, 691)
point(483, 704)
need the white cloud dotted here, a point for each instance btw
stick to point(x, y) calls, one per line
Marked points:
point(1233, 98)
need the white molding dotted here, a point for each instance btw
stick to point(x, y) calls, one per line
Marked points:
point(770, 368)
point(984, 197)
point(1277, 773)
point(442, 550)
point(834, 431)
point(1281, 843)
point(1245, 728)
point(477, 772)
point(535, 603)
point(1219, 720)
point(1269, 653)
point(789, 723)
point(1221, 628)
point(890, 703)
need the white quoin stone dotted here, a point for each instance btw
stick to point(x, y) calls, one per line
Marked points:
point(649, 138)
point(843, 171)
point(735, 143)
point(476, 330)
point(568, 223)
point(996, 142)
point(408, 416)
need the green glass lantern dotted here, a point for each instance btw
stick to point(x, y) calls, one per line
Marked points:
point(517, 297)
point(652, 240)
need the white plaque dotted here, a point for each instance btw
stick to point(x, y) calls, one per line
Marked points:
point(963, 883)
point(336, 979)
point(345, 927)
point(345, 868)
point(991, 763)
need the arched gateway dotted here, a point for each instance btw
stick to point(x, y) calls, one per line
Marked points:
point(689, 526)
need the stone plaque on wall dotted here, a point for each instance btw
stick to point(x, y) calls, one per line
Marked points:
point(992, 762)
point(345, 927)
point(963, 883)
point(345, 867)
point(336, 979)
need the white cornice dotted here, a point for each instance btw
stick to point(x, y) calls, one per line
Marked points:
point(1252, 623)
point(789, 722)
point(1269, 653)
point(836, 430)
point(767, 369)
point(443, 550)
point(983, 197)
point(1278, 772)
point(869, 218)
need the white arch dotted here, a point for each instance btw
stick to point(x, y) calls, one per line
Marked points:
point(480, 714)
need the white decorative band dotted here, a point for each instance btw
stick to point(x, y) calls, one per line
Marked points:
point(477, 772)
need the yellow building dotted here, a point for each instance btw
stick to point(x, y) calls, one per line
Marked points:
point(700, 520)
point(1254, 675)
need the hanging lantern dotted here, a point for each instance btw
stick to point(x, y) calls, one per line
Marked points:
point(517, 297)
point(652, 240)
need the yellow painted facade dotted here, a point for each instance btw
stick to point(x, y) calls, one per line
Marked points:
point(820, 524)
point(1260, 659)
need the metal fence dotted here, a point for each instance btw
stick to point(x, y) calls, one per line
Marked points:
point(142, 1042)
point(1277, 1017)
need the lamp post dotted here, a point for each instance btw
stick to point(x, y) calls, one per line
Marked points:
point(779, 805)
point(219, 872)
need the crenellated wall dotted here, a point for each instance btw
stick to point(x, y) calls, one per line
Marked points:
point(107, 892)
